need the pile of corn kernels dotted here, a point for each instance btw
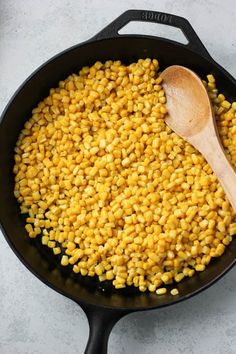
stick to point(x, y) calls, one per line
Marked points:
point(106, 184)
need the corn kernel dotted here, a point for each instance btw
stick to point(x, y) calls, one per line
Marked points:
point(64, 260)
point(161, 291)
point(174, 292)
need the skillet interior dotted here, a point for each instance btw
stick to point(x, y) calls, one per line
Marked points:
point(40, 259)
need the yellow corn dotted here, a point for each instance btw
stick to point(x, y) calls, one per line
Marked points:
point(101, 177)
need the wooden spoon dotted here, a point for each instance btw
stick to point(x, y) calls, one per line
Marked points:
point(190, 115)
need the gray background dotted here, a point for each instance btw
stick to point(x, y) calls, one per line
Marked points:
point(35, 319)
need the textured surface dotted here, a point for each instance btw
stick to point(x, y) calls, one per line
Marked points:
point(35, 319)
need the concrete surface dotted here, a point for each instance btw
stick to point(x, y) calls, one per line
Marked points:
point(33, 318)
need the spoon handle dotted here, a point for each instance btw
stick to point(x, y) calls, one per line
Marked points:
point(224, 171)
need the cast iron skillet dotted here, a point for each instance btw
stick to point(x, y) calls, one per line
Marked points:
point(103, 305)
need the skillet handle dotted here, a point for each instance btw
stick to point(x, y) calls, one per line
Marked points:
point(101, 321)
point(194, 42)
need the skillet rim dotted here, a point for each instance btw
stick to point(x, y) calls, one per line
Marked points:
point(7, 237)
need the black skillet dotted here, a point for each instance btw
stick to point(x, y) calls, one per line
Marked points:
point(103, 305)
